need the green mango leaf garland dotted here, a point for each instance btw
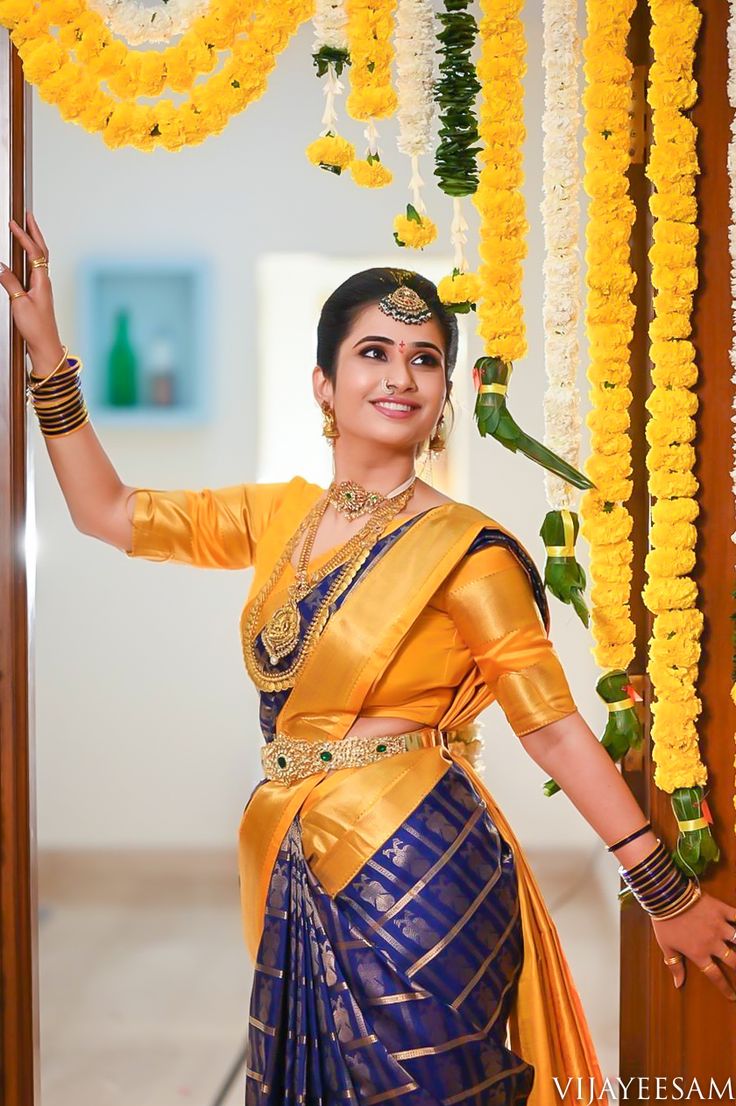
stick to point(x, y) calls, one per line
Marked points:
point(696, 847)
point(563, 575)
point(491, 377)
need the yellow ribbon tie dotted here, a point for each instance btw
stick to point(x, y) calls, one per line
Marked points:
point(621, 704)
point(568, 549)
point(500, 389)
point(692, 824)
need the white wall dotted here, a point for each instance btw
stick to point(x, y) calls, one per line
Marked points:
point(147, 725)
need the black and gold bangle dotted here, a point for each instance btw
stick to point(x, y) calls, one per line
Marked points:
point(58, 399)
point(46, 399)
point(66, 367)
point(64, 407)
point(631, 837)
point(67, 429)
point(659, 886)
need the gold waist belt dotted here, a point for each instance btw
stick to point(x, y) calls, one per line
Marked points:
point(290, 758)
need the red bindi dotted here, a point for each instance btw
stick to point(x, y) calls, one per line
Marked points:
point(402, 344)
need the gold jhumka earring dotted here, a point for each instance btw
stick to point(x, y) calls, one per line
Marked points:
point(437, 442)
point(329, 426)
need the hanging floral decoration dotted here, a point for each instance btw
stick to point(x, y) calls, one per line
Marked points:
point(564, 577)
point(500, 203)
point(731, 89)
point(671, 592)
point(414, 43)
point(330, 56)
point(609, 319)
point(456, 166)
point(141, 24)
point(69, 70)
point(372, 96)
point(459, 292)
point(128, 73)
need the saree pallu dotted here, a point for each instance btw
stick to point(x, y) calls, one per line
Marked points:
point(402, 950)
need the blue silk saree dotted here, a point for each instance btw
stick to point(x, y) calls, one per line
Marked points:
point(402, 951)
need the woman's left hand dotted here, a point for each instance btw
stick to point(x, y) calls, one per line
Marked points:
point(706, 934)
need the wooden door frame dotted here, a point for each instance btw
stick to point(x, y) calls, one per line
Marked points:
point(664, 1032)
point(19, 1021)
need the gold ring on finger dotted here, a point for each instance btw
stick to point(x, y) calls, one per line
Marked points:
point(726, 954)
point(712, 964)
point(673, 959)
point(39, 262)
point(14, 294)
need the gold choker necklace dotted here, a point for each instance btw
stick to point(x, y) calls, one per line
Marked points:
point(352, 500)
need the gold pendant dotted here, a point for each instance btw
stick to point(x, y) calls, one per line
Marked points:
point(281, 633)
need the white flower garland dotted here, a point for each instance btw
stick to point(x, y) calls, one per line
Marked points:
point(330, 25)
point(414, 42)
point(330, 29)
point(560, 214)
point(140, 23)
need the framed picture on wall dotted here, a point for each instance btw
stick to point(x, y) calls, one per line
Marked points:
point(143, 331)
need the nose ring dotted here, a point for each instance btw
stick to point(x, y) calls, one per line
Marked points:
point(387, 386)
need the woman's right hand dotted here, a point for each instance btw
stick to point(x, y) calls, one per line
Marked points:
point(33, 313)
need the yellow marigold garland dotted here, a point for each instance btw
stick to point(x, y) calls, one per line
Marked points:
point(130, 73)
point(606, 522)
point(372, 96)
point(670, 592)
point(73, 83)
point(369, 33)
point(498, 198)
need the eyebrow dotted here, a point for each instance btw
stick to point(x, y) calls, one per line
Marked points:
point(390, 342)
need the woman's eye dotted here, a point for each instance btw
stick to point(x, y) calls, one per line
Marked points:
point(378, 349)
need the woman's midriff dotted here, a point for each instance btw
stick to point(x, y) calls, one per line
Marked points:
point(366, 725)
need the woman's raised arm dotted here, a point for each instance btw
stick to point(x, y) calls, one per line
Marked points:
point(94, 493)
point(209, 528)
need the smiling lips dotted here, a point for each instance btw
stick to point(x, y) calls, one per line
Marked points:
point(395, 409)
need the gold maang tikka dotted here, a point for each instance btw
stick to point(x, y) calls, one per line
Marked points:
point(403, 303)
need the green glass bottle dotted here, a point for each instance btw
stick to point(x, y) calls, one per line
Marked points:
point(122, 365)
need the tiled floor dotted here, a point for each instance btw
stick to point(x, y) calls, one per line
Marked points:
point(144, 978)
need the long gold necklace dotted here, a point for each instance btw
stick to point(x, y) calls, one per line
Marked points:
point(282, 631)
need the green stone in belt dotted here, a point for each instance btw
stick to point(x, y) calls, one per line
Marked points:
point(281, 762)
point(381, 748)
point(326, 755)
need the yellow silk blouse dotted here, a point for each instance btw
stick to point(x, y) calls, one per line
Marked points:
point(483, 614)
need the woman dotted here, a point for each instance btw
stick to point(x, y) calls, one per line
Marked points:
point(402, 950)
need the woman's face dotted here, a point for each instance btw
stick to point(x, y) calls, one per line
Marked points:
point(411, 356)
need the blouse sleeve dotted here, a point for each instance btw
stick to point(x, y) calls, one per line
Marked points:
point(211, 528)
point(490, 599)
